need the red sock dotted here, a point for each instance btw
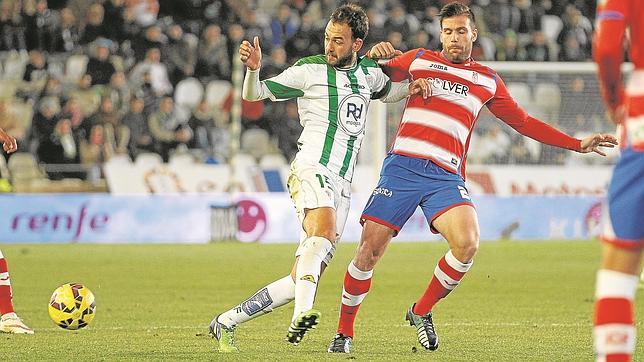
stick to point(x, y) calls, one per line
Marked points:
point(447, 275)
point(5, 288)
point(354, 290)
point(614, 331)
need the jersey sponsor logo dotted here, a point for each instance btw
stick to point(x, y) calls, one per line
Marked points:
point(438, 66)
point(360, 86)
point(352, 114)
point(382, 191)
point(257, 302)
point(445, 86)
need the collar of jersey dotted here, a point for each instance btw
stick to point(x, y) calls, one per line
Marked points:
point(351, 67)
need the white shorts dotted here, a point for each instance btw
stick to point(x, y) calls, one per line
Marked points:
point(312, 185)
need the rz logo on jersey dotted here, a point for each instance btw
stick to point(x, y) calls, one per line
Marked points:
point(464, 193)
point(446, 86)
point(352, 112)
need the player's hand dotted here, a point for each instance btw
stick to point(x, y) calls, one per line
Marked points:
point(593, 143)
point(383, 50)
point(251, 55)
point(9, 143)
point(420, 86)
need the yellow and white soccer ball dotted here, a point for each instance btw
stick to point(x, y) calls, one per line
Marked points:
point(72, 306)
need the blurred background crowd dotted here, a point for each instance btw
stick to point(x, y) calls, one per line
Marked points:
point(82, 81)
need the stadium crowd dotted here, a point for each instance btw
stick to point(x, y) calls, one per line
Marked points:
point(85, 80)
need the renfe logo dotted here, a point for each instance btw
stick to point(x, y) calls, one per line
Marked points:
point(77, 223)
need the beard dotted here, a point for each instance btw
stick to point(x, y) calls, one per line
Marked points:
point(341, 62)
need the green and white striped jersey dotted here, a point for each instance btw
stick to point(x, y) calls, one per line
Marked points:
point(332, 104)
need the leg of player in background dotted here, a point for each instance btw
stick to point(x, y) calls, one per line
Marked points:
point(614, 331)
point(357, 281)
point(459, 226)
point(9, 322)
point(320, 227)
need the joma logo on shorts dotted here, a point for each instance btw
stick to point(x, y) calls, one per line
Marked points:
point(382, 191)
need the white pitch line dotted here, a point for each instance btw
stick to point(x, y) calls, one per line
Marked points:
point(448, 324)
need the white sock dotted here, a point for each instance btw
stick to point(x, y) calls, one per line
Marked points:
point(272, 296)
point(307, 273)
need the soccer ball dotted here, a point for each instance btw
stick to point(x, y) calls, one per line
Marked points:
point(72, 306)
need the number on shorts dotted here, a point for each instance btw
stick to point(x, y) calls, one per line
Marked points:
point(324, 181)
point(464, 193)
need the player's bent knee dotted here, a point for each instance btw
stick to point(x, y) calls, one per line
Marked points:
point(465, 248)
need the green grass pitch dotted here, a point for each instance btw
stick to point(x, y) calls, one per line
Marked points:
point(522, 301)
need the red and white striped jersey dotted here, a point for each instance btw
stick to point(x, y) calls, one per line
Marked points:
point(439, 128)
point(615, 19)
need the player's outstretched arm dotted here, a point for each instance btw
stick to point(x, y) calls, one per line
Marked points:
point(383, 50)
point(593, 143)
point(251, 56)
point(9, 143)
point(400, 91)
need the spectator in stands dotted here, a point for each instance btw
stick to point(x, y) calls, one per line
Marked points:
point(397, 22)
point(538, 50)
point(202, 124)
point(577, 32)
point(530, 13)
point(275, 65)
point(145, 11)
point(179, 54)
point(67, 36)
point(236, 34)
point(493, 145)
point(501, 16)
point(40, 23)
point(283, 25)
point(61, 147)
point(99, 67)
point(158, 73)
point(114, 21)
point(52, 88)
point(152, 38)
point(36, 69)
point(88, 97)
point(213, 60)
point(119, 92)
point(288, 131)
point(140, 139)
point(94, 28)
point(430, 24)
point(80, 125)
point(254, 27)
point(510, 49)
point(571, 51)
point(308, 40)
point(166, 129)
point(131, 29)
point(12, 35)
point(108, 136)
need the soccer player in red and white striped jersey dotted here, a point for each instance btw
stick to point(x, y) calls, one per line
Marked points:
point(426, 166)
point(9, 321)
point(623, 233)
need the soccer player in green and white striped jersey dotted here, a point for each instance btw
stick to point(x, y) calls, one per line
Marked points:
point(333, 92)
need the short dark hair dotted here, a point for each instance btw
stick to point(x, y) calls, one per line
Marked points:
point(354, 16)
point(455, 9)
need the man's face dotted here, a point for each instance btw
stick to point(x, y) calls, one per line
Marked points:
point(457, 37)
point(339, 46)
